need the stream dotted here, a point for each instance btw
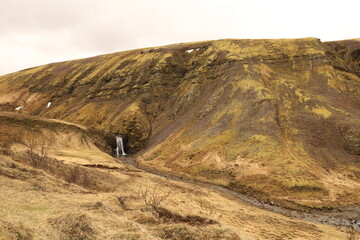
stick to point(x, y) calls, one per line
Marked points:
point(345, 217)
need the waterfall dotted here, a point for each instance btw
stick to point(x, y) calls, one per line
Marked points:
point(120, 146)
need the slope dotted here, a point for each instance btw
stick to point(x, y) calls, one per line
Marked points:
point(44, 197)
point(276, 119)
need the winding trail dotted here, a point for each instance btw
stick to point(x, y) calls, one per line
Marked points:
point(338, 218)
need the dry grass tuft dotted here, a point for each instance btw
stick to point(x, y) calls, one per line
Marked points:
point(73, 175)
point(352, 234)
point(209, 210)
point(73, 226)
point(146, 218)
point(183, 232)
point(10, 169)
point(127, 236)
point(9, 231)
point(168, 216)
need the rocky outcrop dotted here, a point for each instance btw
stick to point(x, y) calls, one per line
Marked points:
point(134, 125)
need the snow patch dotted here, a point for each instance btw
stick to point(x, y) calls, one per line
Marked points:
point(48, 105)
point(191, 50)
point(18, 108)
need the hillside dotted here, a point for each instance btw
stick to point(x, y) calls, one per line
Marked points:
point(274, 119)
point(55, 183)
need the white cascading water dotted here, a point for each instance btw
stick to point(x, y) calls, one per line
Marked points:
point(119, 146)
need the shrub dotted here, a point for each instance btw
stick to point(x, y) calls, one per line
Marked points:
point(209, 210)
point(152, 198)
point(73, 176)
point(37, 150)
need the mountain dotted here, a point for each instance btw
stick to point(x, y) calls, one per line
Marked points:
point(274, 119)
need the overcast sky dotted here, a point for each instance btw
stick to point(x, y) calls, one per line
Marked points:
point(36, 32)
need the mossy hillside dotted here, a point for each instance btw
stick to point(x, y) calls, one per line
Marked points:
point(254, 48)
point(277, 109)
point(287, 92)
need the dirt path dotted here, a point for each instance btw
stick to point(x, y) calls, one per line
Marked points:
point(339, 217)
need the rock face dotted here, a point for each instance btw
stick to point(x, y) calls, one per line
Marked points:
point(269, 117)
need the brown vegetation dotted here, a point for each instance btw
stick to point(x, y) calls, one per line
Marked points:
point(153, 197)
point(72, 174)
point(11, 231)
point(74, 226)
point(352, 234)
point(274, 119)
point(37, 151)
point(181, 232)
point(168, 216)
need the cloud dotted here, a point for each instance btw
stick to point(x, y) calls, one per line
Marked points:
point(42, 31)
